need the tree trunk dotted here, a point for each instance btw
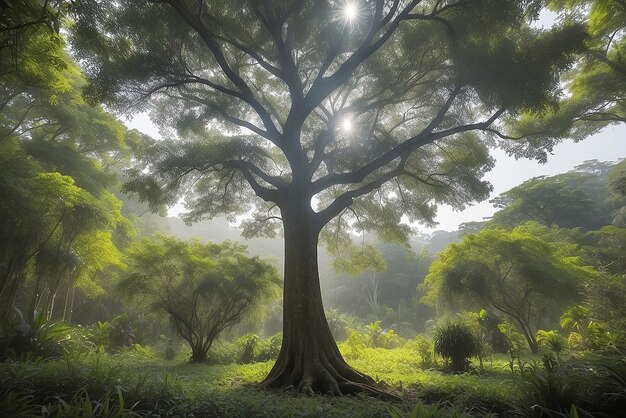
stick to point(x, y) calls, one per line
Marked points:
point(198, 355)
point(530, 338)
point(309, 360)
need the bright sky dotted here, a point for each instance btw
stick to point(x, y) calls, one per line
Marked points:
point(608, 145)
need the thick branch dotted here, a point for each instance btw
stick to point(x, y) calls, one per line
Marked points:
point(249, 170)
point(404, 148)
point(210, 41)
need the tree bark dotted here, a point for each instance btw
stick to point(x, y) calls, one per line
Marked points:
point(528, 334)
point(309, 360)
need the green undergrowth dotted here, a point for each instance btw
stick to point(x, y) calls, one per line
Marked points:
point(139, 383)
point(481, 391)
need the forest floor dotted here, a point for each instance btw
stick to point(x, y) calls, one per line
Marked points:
point(137, 383)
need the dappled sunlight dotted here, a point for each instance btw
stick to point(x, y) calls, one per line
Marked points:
point(316, 160)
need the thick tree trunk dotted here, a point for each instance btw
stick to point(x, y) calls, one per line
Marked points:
point(309, 360)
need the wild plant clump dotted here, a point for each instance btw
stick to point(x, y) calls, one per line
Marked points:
point(456, 343)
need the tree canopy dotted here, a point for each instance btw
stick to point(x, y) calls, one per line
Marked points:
point(581, 198)
point(514, 272)
point(596, 86)
point(203, 288)
point(60, 223)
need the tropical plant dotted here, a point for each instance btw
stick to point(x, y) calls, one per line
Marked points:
point(35, 337)
point(425, 349)
point(379, 337)
point(456, 343)
point(553, 341)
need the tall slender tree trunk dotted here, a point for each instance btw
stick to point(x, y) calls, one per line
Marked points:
point(309, 359)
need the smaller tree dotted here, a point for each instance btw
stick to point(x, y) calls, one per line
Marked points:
point(514, 272)
point(204, 288)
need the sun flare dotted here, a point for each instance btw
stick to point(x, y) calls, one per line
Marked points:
point(346, 125)
point(350, 11)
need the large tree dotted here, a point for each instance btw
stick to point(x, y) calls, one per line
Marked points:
point(319, 116)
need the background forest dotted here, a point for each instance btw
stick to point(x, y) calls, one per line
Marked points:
point(110, 308)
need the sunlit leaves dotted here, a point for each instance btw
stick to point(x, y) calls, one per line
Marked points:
point(596, 87)
point(515, 272)
point(204, 288)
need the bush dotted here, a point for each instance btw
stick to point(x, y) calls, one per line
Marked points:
point(40, 338)
point(222, 352)
point(251, 348)
point(551, 340)
point(354, 345)
point(341, 323)
point(455, 342)
point(426, 350)
point(246, 348)
point(269, 349)
point(378, 337)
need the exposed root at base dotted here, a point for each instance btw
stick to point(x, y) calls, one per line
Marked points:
point(326, 381)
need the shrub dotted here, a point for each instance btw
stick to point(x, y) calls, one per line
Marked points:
point(354, 344)
point(378, 337)
point(222, 352)
point(340, 323)
point(425, 348)
point(38, 338)
point(515, 342)
point(455, 342)
point(552, 340)
point(269, 349)
point(246, 348)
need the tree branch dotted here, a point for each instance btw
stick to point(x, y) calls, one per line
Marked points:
point(210, 41)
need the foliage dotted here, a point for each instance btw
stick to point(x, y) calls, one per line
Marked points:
point(456, 342)
point(425, 348)
point(379, 337)
point(37, 337)
point(515, 343)
point(514, 272)
point(548, 390)
point(354, 345)
point(340, 323)
point(596, 85)
point(574, 199)
point(552, 340)
point(61, 226)
point(617, 179)
point(117, 333)
point(250, 348)
point(575, 388)
point(203, 288)
point(607, 247)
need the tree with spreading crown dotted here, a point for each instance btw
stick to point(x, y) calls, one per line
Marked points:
point(320, 117)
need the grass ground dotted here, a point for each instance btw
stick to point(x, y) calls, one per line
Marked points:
point(151, 386)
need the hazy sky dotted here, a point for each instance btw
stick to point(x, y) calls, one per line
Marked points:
point(608, 145)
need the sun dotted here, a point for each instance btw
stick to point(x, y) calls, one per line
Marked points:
point(350, 11)
point(346, 125)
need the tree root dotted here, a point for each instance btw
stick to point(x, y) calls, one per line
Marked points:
point(322, 377)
